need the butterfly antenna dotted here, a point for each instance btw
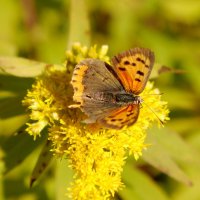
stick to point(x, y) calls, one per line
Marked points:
point(162, 122)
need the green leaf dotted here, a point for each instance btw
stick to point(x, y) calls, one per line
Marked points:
point(1, 179)
point(16, 85)
point(6, 129)
point(11, 107)
point(191, 193)
point(12, 92)
point(174, 144)
point(20, 67)
point(17, 147)
point(139, 186)
point(159, 156)
point(42, 163)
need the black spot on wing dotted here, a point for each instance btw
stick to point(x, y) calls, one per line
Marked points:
point(140, 60)
point(140, 73)
point(125, 122)
point(129, 114)
point(88, 96)
point(126, 62)
point(137, 79)
point(122, 69)
point(133, 64)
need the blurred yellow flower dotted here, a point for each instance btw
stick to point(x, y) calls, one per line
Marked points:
point(97, 156)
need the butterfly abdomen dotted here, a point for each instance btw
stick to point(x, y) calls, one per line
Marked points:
point(121, 98)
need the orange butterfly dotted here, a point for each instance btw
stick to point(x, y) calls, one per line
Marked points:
point(108, 94)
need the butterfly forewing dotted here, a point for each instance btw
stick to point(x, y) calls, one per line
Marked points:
point(91, 76)
point(133, 68)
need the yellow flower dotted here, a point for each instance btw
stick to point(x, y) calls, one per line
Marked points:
point(96, 156)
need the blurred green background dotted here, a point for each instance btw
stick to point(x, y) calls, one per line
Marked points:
point(43, 30)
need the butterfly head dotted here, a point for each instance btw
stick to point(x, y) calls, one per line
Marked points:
point(138, 99)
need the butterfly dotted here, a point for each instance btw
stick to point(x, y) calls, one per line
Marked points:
point(109, 94)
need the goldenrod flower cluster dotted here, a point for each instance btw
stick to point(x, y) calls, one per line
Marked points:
point(97, 156)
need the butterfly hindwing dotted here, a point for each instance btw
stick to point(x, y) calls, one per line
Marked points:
point(120, 117)
point(133, 68)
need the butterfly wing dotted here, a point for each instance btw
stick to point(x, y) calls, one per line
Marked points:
point(91, 78)
point(120, 117)
point(133, 68)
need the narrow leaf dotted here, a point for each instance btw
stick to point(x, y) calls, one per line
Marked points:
point(42, 163)
point(175, 146)
point(17, 147)
point(139, 186)
point(159, 157)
